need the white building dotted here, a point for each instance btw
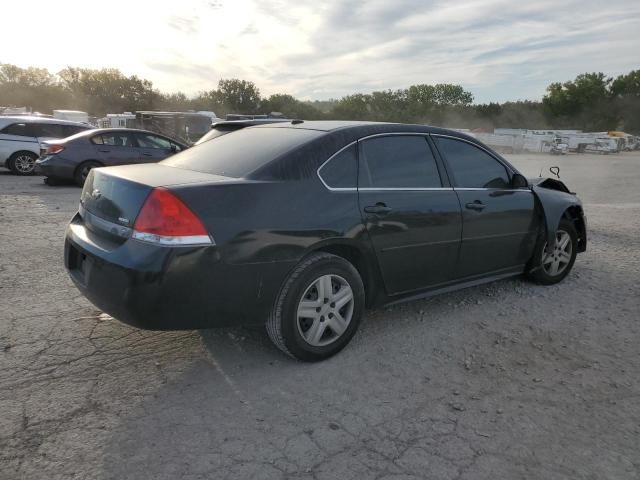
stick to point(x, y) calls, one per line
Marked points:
point(117, 120)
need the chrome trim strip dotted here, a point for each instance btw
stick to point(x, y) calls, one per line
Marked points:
point(389, 134)
point(482, 189)
point(420, 134)
point(166, 241)
point(403, 189)
point(105, 225)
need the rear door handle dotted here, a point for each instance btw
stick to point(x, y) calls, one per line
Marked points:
point(148, 154)
point(378, 209)
point(477, 205)
point(104, 151)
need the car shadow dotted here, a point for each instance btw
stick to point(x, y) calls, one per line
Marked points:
point(242, 409)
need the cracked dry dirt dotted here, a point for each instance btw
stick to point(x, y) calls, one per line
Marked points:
point(504, 381)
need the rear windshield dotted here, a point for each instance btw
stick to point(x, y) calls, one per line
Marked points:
point(215, 133)
point(240, 153)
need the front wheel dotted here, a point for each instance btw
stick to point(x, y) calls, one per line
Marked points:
point(554, 265)
point(318, 309)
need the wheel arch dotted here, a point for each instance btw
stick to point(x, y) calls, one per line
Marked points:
point(24, 150)
point(94, 160)
point(363, 261)
point(556, 205)
point(575, 215)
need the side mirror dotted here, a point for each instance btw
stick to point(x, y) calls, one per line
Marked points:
point(173, 148)
point(519, 181)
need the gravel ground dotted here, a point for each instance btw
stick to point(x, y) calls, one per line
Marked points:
point(505, 381)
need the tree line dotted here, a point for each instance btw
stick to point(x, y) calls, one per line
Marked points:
point(591, 102)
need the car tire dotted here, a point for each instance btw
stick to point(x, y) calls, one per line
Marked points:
point(552, 267)
point(22, 163)
point(310, 290)
point(82, 170)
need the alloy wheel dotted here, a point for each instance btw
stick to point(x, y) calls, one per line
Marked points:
point(556, 261)
point(24, 163)
point(325, 310)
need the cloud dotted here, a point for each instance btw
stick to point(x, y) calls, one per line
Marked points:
point(183, 24)
point(498, 49)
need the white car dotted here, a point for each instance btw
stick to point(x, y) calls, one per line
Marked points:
point(22, 136)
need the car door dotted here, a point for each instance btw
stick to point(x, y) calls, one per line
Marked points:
point(16, 137)
point(499, 223)
point(412, 216)
point(116, 148)
point(154, 148)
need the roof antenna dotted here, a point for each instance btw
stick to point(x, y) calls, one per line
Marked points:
point(296, 121)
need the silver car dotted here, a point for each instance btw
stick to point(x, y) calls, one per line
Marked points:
point(22, 136)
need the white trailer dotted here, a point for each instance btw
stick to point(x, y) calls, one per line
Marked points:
point(117, 120)
point(505, 143)
point(72, 115)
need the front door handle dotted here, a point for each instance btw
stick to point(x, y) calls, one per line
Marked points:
point(104, 151)
point(378, 209)
point(148, 154)
point(477, 205)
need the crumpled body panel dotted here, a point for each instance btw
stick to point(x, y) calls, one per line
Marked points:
point(555, 198)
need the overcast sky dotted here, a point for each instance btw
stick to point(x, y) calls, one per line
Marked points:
point(499, 50)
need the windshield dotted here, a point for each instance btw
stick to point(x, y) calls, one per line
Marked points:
point(243, 152)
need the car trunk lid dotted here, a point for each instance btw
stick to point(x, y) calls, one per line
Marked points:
point(112, 197)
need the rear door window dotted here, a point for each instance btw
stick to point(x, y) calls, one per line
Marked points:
point(51, 130)
point(114, 139)
point(471, 166)
point(398, 161)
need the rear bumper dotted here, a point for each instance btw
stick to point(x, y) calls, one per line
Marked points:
point(54, 167)
point(164, 288)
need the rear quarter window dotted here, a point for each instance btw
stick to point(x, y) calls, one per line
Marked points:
point(341, 170)
point(238, 154)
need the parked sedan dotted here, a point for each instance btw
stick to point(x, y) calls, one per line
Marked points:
point(299, 226)
point(72, 158)
point(224, 127)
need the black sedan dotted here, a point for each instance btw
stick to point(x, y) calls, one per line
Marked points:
point(73, 157)
point(302, 225)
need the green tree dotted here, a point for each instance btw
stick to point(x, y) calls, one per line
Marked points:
point(239, 96)
point(107, 90)
point(584, 103)
point(290, 107)
point(31, 87)
point(625, 92)
point(352, 107)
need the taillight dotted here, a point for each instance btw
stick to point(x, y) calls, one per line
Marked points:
point(164, 219)
point(52, 149)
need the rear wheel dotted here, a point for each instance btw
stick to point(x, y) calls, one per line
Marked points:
point(318, 309)
point(82, 171)
point(552, 266)
point(22, 163)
